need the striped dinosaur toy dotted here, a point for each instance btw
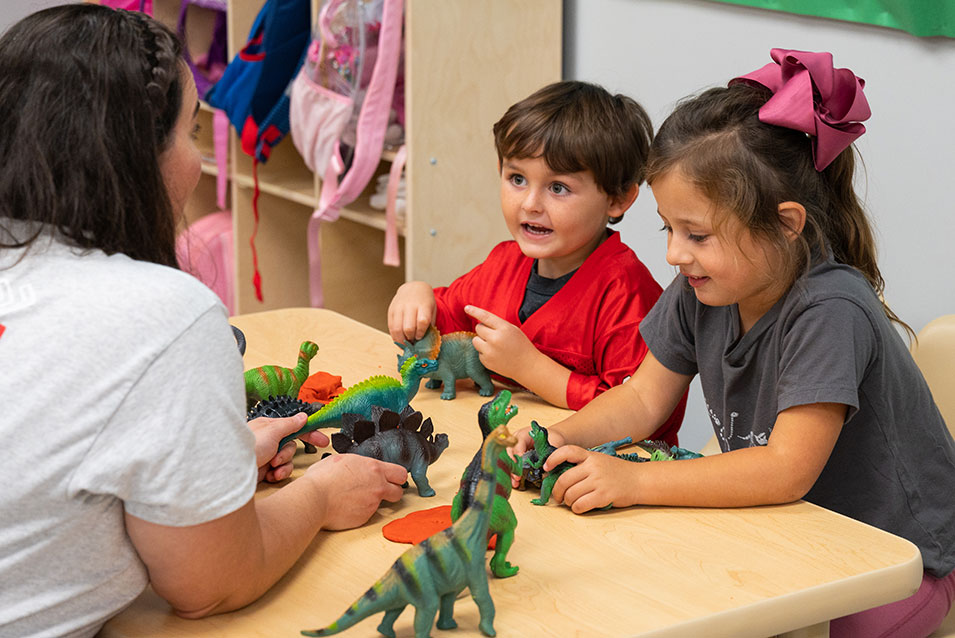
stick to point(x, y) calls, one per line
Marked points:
point(265, 382)
point(381, 390)
point(495, 412)
point(432, 573)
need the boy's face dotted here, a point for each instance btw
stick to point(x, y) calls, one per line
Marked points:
point(558, 219)
point(724, 266)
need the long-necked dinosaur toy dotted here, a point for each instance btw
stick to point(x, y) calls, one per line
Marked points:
point(432, 573)
point(381, 390)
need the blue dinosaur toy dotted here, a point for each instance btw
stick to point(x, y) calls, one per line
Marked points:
point(396, 438)
point(456, 357)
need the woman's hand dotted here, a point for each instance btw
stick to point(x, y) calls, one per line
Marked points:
point(277, 466)
point(353, 487)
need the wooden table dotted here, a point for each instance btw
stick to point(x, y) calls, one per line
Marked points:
point(642, 571)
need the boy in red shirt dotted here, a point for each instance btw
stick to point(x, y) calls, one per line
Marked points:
point(558, 308)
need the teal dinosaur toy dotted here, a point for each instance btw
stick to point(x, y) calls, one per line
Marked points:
point(456, 357)
point(265, 382)
point(432, 573)
point(383, 391)
point(492, 414)
point(532, 462)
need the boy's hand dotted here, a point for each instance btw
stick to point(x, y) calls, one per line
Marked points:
point(501, 345)
point(277, 466)
point(411, 312)
point(597, 480)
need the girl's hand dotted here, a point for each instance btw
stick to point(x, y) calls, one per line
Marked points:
point(501, 345)
point(411, 312)
point(525, 443)
point(597, 480)
point(277, 466)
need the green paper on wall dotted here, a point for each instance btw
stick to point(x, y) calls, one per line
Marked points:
point(923, 18)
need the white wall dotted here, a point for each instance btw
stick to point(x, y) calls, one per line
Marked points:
point(14, 10)
point(658, 51)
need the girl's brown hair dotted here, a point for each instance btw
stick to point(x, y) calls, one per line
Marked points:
point(576, 126)
point(88, 99)
point(748, 167)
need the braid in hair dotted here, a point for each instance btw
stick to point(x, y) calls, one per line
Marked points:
point(160, 55)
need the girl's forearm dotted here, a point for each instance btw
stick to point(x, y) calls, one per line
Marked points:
point(617, 413)
point(742, 478)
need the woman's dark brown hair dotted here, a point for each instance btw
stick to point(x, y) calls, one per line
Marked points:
point(89, 97)
point(577, 126)
point(745, 166)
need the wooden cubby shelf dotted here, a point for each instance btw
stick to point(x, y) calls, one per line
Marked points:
point(465, 63)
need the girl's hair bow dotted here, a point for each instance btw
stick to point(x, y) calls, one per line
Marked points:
point(812, 96)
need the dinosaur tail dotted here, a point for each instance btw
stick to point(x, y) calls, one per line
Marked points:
point(381, 596)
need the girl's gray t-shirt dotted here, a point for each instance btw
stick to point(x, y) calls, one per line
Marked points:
point(826, 341)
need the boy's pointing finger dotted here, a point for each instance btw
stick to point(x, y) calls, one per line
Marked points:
point(482, 315)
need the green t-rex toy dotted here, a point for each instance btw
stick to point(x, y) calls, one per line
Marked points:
point(492, 414)
point(383, 391)
point(532, 462)
point(275, 381)
point(432, 573)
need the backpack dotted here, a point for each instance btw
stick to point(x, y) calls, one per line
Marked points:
point(207, 68)
point(146, 6)
point(254, 88)
point(204, 250)
point(344, 100)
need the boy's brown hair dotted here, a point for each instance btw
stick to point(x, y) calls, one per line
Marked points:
point(576, 126)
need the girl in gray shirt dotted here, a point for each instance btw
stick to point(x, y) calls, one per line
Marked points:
point(811, 391)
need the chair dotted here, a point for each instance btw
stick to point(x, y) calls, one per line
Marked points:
point(934, 352)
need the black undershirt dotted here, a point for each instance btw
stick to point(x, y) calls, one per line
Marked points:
point(539, 290)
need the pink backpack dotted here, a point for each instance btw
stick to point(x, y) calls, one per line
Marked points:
point(204, 250)
point(346, 98)
point(146, 6)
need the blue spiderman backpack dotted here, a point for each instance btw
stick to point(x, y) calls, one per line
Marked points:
point(253, 87)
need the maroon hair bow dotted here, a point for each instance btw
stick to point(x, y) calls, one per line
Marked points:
point(812, 96)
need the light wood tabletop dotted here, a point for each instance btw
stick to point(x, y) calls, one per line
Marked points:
point(642, 571)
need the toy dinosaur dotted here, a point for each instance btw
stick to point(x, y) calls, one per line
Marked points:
point(431, 574)
point(380, 390)
point(492, 414)
point(280, 407)
point(396, 438)
point(532, 461)
point(456, 357)
point(239, 339)
point(266, 381)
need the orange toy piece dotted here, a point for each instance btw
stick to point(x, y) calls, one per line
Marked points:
point(417, 526)
point(321, 387)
